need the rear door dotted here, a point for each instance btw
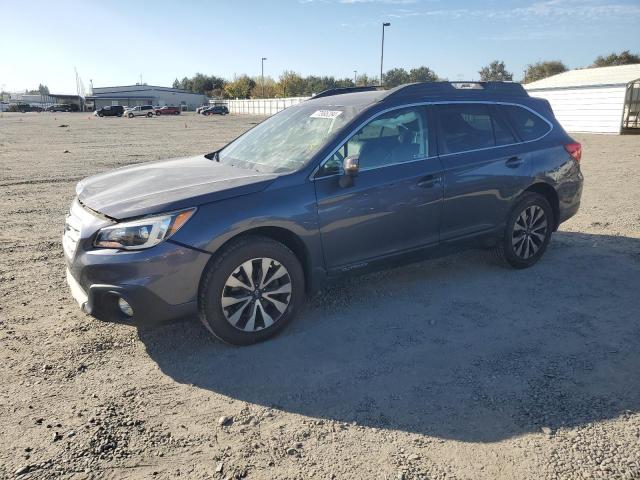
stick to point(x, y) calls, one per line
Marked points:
point(484, 165)
point(395, 202)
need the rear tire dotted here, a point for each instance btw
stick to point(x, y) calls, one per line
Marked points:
point(150, 114)
point(251, 290)
point(527, 232)
point(130, 115)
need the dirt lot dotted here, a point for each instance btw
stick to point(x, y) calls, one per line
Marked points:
point(453, 368)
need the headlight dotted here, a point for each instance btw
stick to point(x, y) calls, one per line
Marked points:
point(143, 233)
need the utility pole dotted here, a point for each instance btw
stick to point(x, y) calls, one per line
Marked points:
point(355, 78)
point(262, 75)
point(385, 24)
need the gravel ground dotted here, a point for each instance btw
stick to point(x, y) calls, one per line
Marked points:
point(455, 368)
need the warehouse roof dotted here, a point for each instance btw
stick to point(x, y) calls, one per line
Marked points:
point(117, 96)
point(138, 88)
point(620, 75)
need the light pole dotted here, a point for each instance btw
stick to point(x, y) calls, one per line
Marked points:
point(385, 24)
point(355, 78)
point(262, 75)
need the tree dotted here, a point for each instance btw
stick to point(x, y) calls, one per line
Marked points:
point(316, 84)
point(43, 89)
point(200, 83)
point(422, 74)
point(240, 87)
point(291, 84)
point(206, 84)
point(365, 81)
point(496, 71)
point(344, 83)
point(540, 70)
point(399, 76)
point(270, 88)
point(185, 84)
point(623, 58)
point(395, 77)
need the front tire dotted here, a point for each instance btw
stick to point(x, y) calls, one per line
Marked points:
point(527, 233)
point(251, 290)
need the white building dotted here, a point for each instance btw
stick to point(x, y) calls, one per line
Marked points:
point(596, 100)
point(138, 95)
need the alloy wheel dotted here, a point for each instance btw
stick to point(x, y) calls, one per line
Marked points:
point(256, 294)
point(529, 232)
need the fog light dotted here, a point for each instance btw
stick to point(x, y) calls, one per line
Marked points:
point(125, 307)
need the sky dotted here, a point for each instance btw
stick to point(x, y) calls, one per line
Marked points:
point(115, 42)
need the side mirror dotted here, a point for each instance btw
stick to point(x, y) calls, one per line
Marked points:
point(351, 167)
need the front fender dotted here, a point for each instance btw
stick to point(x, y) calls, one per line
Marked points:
point(289, 207)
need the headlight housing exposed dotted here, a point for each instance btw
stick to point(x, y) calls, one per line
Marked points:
point(142, 233)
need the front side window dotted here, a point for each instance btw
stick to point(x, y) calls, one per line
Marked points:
point(527, 124)
point(395, 137)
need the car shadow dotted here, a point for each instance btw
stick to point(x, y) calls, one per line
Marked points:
point(459, 347)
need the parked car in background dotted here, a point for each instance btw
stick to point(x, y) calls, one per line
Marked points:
point(216, 110)
point(140, 111)
point(62, 107)
point(166, 110)
point(110, 111)
point(24, 108)
point(201, 108)
point(351, 180)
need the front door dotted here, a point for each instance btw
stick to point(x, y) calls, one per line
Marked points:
point(395, 202)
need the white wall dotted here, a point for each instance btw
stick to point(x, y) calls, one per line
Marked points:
point(267, 106)
point(591, 109)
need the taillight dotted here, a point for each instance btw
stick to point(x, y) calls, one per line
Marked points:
point(575, 150)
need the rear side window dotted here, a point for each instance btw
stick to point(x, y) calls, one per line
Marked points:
point(527, 124)
point(464, 127)
point(502, 132)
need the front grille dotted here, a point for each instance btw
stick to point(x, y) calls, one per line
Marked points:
point(71, 235)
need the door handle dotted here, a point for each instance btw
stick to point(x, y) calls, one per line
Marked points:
point(430, 181)
point(514, 162)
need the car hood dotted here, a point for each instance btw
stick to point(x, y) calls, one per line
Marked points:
point(167, 185)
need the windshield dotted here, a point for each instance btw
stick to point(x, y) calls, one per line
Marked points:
point(287, 141)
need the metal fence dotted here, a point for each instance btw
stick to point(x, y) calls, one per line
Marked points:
point(265, 107)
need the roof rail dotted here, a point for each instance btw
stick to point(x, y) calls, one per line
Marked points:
point(462, 88)
point(342, 90)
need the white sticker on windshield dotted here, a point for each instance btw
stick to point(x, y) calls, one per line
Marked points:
point(326, 114)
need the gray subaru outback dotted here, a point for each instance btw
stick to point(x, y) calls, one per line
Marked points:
point(349, 181)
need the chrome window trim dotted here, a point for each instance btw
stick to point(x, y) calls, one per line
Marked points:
point(312, 176)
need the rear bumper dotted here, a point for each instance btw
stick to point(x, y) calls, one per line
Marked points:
point(568, 212)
